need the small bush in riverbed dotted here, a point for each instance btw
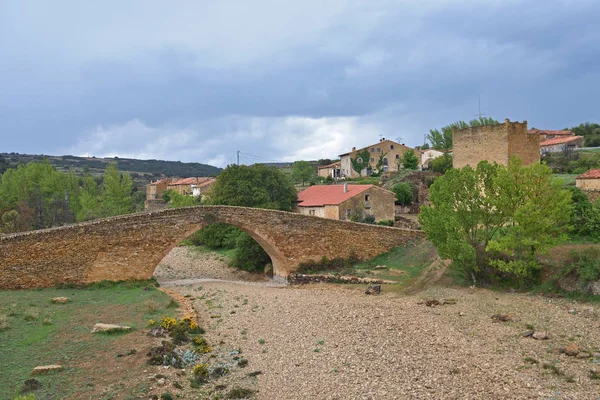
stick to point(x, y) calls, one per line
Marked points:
point(239, 393)
point(31, 315)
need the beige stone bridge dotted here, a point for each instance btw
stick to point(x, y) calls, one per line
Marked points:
point(131, 246)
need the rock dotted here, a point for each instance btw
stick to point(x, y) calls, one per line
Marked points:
point(461, 314)
point(160, 382)
point(448, 301)
point(573, 311)
point(540, 335)
point(528, 333)
point(571, 350)
point(158, 332)
point(108, 328)
point(501, 318)
point(43, 369)
point(583, 354)
point(31, 385)
point(432, 303)
point(381, 267)
point(373, 289)
point(60, 300)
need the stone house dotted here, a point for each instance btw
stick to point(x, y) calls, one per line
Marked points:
point(495, 143)
point(191, 186)
point(333, 170)
point(154, 190)
point(426, 156)
point(389, 151)
point(558, 144)
point(589, 183)
point(342, 201)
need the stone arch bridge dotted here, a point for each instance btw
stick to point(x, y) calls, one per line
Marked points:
point(131, 246)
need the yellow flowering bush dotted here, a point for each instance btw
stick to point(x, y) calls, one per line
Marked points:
point(201, 370)
point(168, 323)
point(151, 322)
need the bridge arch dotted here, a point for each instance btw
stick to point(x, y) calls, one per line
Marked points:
point(131, 246)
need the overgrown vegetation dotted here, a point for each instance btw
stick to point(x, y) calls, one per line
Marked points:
point(493, 221)
point(404, 192)
point(585, 264)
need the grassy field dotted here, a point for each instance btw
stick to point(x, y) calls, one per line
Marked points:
point(39, 332)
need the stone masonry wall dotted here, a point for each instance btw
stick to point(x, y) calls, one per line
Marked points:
point(130, 246)
point(496, 143)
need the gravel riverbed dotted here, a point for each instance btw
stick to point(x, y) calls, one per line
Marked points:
point(334, 342)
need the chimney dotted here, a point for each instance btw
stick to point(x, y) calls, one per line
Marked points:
point(345, 188)
point(354, 149)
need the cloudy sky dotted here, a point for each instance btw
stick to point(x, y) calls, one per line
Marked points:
point(284, 80)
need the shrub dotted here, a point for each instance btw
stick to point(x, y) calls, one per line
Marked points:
point(404, 193)
point(166, 396)
point(586, 264)
point(217, 236)
point(249, 256)
point(386, 222)
point(168, 323)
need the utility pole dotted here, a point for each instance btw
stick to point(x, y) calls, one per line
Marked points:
point(238, 157)
point(479, 114)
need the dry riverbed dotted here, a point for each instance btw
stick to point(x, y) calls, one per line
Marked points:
point(334, 342)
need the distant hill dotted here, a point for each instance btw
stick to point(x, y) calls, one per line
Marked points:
point(140, 170)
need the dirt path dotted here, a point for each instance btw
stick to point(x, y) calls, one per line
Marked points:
point(334, 342)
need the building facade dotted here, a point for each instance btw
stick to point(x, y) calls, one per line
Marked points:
point(388, 151)
point(559, 144)
point(589, 183)
point(342, 202)
point(426, 156)
point(332, 170)
point(495, 143)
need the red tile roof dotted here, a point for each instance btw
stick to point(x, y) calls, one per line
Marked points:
point(192, 181)
point(158, 182)
point(550, 132)
point(335, 164)
point(320, 195)
point(591, 174)
point(560, 140)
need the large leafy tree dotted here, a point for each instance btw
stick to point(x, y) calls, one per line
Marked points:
point(253, 186)
point(302, 171)
point(496, 218)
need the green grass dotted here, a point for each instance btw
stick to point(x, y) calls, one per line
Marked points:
point(411, 258)
point(568, 179)
point(228, 254)
point(67, 341)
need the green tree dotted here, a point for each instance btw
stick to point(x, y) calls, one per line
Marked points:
point(253, 186)
point(249, 255)
point(410, 160)
point(590, 131)
point(495, 218)
point(116, 194)
point(403, 192)
point(302, 171)
point(4, 165)
point(441, 164)
point(89, 200)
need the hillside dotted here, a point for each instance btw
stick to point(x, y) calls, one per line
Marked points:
point(141, 169)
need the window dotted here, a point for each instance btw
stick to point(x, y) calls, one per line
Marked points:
point(391, 147)
point(371, 149)
point(397, 156)
point(379, 149)
point(311, 212)
point(367, 197)
point(385, 161)
point(359, 159)
point(367, 201)
point(372, 160)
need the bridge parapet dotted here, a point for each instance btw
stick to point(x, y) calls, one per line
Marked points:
point(131, 246)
